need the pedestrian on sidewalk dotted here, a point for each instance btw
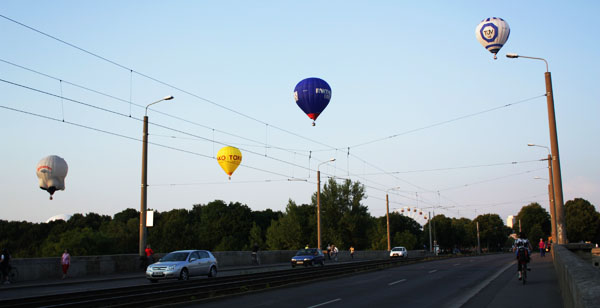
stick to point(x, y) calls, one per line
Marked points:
point(352, 252)
point(542, 246)
point(149, 255)
point(329, 251)
point(65, 261)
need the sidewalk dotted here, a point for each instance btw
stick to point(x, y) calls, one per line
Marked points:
point(129, 275)
point(541, 289)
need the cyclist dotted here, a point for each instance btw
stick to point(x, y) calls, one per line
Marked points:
point(5, 265)
point(523, 252)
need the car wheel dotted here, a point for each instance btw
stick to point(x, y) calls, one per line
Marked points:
point(322, 262)
point(153, 280)
point(184, 274)
point(212, 272)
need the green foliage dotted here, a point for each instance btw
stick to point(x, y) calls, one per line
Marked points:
point(492, 233)
point(296, 228)
point(531, 215)
point(344, 220)
point(582, 221)
point(406, 239)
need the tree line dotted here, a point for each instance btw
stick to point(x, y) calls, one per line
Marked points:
point(345, 222)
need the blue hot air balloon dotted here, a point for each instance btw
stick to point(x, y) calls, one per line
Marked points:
point(312, 96)
point(492, 33)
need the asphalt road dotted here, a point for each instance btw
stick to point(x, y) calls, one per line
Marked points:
point(487, 281)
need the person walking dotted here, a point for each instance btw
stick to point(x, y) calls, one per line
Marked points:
point(542, 246)
point(334, 252)
point(352, 252)
point(5, 265)
point(255, 254)
point(65, 261)
point(149, 255)
point(329, 251)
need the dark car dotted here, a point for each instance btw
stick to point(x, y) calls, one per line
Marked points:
point(308, 256)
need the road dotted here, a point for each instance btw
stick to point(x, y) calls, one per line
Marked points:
point(466, 282)
point(484, 281)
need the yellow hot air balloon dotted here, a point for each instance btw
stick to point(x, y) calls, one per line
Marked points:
point(229, 159)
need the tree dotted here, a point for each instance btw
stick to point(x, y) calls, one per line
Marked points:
point(492, 233)
point(344, 220)
point(295, 229)
point(582, 221)
point(406, 239)
point(531, 215)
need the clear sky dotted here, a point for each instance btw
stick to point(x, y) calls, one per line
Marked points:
point(417, 103)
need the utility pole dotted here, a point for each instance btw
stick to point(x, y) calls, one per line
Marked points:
point(430, 243)
point(478, 245)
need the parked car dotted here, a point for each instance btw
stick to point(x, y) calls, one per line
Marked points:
point(399, 252)
point(183, 264)
point(308, 256)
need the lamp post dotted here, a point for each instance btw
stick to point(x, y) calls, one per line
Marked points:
point(550, 192)
point(145, 178)
point(387, 216)
point(561, 230)
point(319, 202)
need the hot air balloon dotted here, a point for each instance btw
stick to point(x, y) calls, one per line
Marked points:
point(312, 96)
point(492, 33)
point(229, 159)
point(51, 172)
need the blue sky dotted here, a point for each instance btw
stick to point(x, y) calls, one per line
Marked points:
point(396, 68)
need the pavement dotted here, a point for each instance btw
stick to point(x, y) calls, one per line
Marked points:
point(541, 289)
point(223, 271)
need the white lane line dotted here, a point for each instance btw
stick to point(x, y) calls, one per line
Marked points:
point(395, 282)
point(432, 271)
point(325, 303)
point(457, 264)
point(480, 286)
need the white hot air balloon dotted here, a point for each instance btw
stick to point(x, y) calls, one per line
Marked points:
point(64, 217)
point(51, 172)
point(492, 33)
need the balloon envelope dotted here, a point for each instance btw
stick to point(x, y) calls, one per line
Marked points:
point(51, 172)
point(229, 159)
point(492, 33)
point(312, 95)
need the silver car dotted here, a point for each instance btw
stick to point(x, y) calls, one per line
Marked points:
point(183, 264)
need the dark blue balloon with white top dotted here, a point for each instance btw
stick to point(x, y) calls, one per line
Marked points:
point(312, 96)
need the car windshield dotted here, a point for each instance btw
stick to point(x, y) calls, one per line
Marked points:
point(304, 252)
point(397, 249)
point(175, 256)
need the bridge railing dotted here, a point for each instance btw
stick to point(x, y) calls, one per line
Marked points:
point(578, 279)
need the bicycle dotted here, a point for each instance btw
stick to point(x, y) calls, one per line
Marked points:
point(524, 272)
point(13, 275)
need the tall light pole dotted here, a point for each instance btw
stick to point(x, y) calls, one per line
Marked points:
point(319, 202)
point(561, 229)
point(387, 216)
point(143, 202)
point(550, 192)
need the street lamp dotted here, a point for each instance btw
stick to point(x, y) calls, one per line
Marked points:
point(561, 230)
point(319, 202)
point(387, 216)
point(145, 178)
point(550, 192)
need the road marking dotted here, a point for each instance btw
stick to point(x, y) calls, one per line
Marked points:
point(480, 286)
point(457, 264)
point(432, 271)
point(395, 282)
point(325, 303)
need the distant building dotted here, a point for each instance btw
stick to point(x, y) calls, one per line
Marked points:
point(511, 221)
